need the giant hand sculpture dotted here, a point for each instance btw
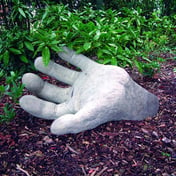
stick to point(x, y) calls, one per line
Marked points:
point(97, 94)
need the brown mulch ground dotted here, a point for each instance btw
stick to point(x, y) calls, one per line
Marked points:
point(122, 148)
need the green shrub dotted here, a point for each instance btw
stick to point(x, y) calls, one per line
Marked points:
point(45, 42)
point(15, 47)
point(11, 90)
point(123, 38)
point(120, 38)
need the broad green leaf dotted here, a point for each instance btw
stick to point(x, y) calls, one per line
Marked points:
point(56, 48)
point(124, 59)
point(15, 51)
point(113, 61)
point(99, 53)
point(106, 51)
point(46, 55)
point(29, 46)
point(20, 45)
point(23, 59)
point(97, 35)
point(107, 61)
point(125, 37)
point(6, 57)
point(45, 14)
point(51, 19)
point(1, 73)
point(39, 49)
point(53, 34)
point(2, 89)
point(138, 65)
point(112, 44)
point(28, 38)
point(138, 22)
point(146, 59)
point(22, 12)
point(134, 43)
point(139, 40)
point(12, 74)
point(87, 46)
point(97, 44)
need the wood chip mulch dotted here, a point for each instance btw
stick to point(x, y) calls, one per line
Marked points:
point(121, 148)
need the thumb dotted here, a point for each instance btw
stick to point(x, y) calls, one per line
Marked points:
point(65, 124)
point(87, 118)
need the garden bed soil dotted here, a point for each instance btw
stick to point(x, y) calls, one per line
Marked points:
point(121, 148)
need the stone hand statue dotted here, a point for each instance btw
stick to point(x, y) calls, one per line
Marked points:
point(97, 94)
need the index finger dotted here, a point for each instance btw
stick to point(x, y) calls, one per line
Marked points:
point(75, 59)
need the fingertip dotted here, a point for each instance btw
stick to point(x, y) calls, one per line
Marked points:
point(38, 107)
point(32, 82)
point(21, 101)
point(64, 125)
point(25, 101)
point(65, 49)
point(38, 62)
point(39, 65)
point(66, 52)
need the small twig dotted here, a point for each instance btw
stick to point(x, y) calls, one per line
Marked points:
point(22, 170)
point(84, 172)
point(99, 173)
point(72, 150)
point(94, 172)
point(154, 85)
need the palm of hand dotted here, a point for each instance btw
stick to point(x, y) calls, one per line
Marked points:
point(96, 95)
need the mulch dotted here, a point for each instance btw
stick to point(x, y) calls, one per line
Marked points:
point(121, 148)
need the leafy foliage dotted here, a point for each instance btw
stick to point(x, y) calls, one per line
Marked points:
point(118, 38)
point(45, 42)
point(11, 90)
point(148, 6)
point(15, 47)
